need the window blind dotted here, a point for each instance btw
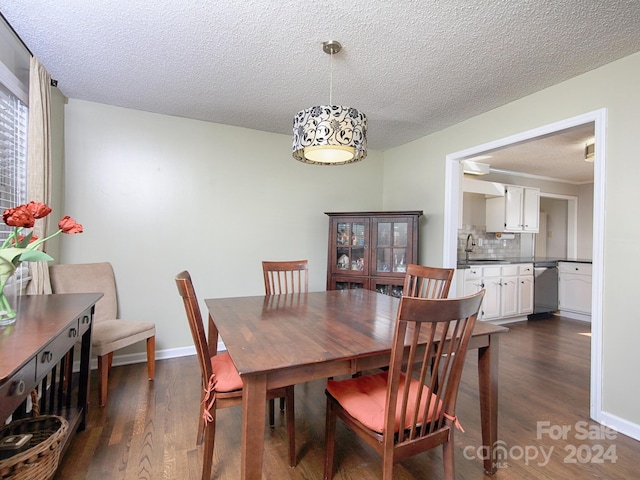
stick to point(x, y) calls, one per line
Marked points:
point(13, 154)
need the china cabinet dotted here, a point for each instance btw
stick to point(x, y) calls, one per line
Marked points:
point(371, 250)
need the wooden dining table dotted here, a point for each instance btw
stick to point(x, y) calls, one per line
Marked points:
point(281, 340)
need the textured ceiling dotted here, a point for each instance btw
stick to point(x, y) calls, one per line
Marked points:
point(557, 156)
point(413, 67)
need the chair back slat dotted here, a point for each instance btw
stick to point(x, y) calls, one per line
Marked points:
point(420, 354)
point(192, 308)
point(286, 277)
point(427, 282)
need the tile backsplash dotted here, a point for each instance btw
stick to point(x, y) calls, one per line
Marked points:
point(487, 245)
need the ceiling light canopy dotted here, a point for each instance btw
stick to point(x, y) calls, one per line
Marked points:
point(330, 134)
point(589, 152)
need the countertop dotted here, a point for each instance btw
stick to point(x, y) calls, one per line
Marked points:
point(537, 261)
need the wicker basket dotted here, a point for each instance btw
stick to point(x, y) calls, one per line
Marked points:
point(40, 460)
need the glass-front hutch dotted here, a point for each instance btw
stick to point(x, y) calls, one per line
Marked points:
point(371, 250)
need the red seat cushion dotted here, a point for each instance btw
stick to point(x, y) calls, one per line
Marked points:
point(225, 373)
point(364, 399)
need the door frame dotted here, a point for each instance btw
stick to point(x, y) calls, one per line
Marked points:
point(452, 215)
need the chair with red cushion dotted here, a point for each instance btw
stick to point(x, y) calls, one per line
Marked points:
point(221, 383)
point(284, 277)
point(427, 282)
point(290, 276)
point(411, 407)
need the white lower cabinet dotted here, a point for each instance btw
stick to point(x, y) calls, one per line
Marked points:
point(574, 287)
point(525, 289)
point(508, 289)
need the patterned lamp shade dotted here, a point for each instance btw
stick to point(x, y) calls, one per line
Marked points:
point(329, 135)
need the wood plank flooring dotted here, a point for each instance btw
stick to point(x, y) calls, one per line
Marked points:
point(148, 429)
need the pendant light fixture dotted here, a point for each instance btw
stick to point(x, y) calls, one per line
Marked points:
point(330, 134)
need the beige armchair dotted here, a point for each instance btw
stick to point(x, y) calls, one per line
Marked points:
point(109, 333)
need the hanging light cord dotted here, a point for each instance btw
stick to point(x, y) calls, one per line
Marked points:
point(331, 78)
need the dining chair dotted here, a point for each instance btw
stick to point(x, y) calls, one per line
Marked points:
point(427, 282)
point(286, 277)
point(411, 407)
point(289, 276)
point(109, 333)
point(221, 382)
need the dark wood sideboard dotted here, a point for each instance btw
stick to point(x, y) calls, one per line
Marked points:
point(37, 352)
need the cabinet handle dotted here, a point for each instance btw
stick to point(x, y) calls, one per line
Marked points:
point(46, 357)
point(85, 319)
point(73, 333)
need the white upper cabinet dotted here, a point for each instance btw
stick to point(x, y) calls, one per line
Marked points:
point(517, 211)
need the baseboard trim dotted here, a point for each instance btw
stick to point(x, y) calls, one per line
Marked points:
point(131, 358)
point(620, 425)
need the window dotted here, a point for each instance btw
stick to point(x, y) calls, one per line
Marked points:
point(13, 154)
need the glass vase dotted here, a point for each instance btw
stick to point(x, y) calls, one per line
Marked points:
point(8, 303)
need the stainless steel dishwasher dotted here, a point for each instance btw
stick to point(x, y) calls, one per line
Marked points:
point(545, 289)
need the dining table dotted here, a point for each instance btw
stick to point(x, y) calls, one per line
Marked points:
point(281, 340)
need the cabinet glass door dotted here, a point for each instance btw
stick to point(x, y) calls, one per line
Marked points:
point(351, 244)
point(382, 285)
point(346, 284)
point(391, 247)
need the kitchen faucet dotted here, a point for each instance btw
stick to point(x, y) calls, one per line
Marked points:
point(468, 248)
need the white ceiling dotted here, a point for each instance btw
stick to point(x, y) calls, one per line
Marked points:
point(557, 156)
point(413, 67)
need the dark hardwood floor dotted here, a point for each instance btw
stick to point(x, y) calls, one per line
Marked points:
point(147, 430)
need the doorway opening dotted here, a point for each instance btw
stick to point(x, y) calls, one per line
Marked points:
point(452, 216)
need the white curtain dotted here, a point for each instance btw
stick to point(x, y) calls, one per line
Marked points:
point(39, 163)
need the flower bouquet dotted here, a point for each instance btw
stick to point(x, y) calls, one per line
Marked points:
point(19, 248)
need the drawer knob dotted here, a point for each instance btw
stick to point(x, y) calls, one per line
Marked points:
point(17, 388)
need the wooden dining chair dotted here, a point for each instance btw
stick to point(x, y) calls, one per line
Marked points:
point(286, 277)
point(290, 276)
point(221, 383)
point(427, 282)
point(411, 407)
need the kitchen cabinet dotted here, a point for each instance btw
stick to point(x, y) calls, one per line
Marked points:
point(508, 289)
point(574, 288)
point(371, 250)
point(525, 289)
point(518, 211)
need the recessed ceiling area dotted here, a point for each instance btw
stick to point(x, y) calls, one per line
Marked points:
point(559, 155)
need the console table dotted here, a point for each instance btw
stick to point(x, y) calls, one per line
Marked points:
point(37, 353)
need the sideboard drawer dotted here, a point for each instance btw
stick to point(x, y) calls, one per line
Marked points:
point(12, 392)
point(56, 349)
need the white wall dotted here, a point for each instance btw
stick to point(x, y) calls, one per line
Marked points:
point(159, 194)
point(415, 173)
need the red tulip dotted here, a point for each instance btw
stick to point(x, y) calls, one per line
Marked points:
point(18, 216)
point(69, 225)
point(37, 209)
